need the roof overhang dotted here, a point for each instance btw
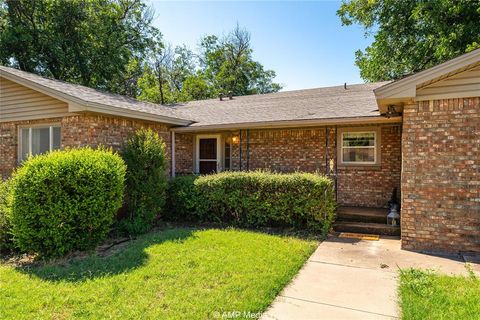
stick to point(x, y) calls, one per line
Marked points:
point(291, 124)
point(404, 90)
point(76, 105)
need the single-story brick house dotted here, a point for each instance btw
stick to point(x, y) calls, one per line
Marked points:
point(418, 137)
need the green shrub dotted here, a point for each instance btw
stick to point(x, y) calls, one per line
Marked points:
point(182, 199)
point(146, 180)
point(5, 227)
point(255, 199)
point(66, 200)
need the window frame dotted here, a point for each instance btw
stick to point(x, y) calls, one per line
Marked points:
point(50, 126)
point(377, 145)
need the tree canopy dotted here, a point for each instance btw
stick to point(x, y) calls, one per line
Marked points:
point(112, 45)
point(94, 43)
point(411, 35)
point(222, 65)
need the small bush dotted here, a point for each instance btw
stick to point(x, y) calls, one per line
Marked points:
point(66, 200)
point(146, 180)
point(182, 199)
point(255, 199)
point(6, 243)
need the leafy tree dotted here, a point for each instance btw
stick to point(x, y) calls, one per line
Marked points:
point(97, 43)
point(196, 87)
point(228, 65)
point(111, 45)
point(411, 35)
point(222, 65)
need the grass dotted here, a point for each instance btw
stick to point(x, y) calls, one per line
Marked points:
point(426, 295)
point(176, 274)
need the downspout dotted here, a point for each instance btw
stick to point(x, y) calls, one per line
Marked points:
point(240, 152)
point(336, 160)
point(173, 154)
point(248, 149)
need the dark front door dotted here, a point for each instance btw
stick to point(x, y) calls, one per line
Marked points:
point(207, 159)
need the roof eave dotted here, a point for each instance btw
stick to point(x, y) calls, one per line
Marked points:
point(406, 88)
point(79, 105)
point(128, 113)
point(290, 124)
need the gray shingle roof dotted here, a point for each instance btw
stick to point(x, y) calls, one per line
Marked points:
point(357, 100)
point(90, 95)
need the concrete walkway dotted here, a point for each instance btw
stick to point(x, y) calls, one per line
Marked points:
point(352, 279)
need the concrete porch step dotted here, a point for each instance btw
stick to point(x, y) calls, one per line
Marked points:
point(361, 214)
point(368, 228)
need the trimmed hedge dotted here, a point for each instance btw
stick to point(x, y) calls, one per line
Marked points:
point(5, 227)
point(182, 199)
point(255, 199)
point(66, 200)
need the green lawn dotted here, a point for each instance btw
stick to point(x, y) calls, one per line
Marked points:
point(425, 295)
point(174, 274)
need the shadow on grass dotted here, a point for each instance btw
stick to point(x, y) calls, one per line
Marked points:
point(121, 260)
point(302, 234)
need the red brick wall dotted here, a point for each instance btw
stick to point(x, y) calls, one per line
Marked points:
point(284, 150)
point(8, 148)
point(441, 175)
point(373, 186)
point(184, 153)
point(288, 150)
point(76, 131)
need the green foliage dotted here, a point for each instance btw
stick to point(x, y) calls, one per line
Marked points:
point(6, 243)
point(411, 36)
point(255, 199)
point(223, 65)
point(427, 295)
point(65, 200)
point(86, 42)
point(228, 64)
point(182, 199)
point(196, 87)
point(146, 180)
point(112, 45)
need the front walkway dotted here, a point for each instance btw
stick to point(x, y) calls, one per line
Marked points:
point(352, 279)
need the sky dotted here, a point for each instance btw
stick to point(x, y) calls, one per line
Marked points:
point(303, 42)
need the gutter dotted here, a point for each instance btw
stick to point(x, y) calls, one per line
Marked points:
point(290, 124)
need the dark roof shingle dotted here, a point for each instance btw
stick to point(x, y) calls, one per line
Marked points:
point(357, 100)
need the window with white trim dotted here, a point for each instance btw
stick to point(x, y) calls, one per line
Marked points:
point(359, 147)
point(37, 140)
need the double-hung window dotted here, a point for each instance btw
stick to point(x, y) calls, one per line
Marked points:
point(38, 139)
point(359, 147)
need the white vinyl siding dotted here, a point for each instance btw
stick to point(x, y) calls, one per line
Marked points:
point(463, 84)
point(22, 103)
